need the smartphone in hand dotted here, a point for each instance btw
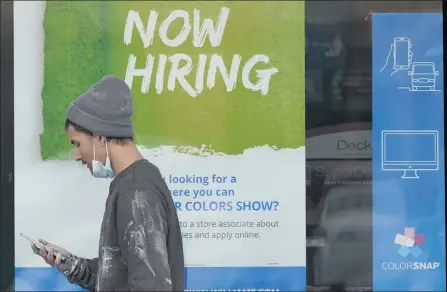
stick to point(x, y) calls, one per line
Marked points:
point(39, 244)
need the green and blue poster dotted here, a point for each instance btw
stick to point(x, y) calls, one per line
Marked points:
point(218, 106)
point(227, 75)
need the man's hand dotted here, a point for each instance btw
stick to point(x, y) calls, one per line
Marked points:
point(52, 254)
point(56, 257)
point(78, 270)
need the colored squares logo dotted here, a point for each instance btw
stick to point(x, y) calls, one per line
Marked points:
point(409, 243)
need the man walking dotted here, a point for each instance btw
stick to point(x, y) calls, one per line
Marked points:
point(140, 247)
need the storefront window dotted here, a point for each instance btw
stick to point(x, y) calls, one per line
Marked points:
point(339, 139)
point(276, 126)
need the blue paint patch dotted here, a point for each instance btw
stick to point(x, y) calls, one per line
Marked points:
point(228, 278)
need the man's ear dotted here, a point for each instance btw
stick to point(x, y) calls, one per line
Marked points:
point(100, 139)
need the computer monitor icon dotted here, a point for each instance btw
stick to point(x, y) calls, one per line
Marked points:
point(410, 151)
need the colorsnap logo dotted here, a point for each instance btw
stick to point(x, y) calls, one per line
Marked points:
point(410, 243)
point(410, 265)
point(363, 145)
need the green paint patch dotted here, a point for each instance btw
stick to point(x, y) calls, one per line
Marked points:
point(85, 41)
point(74, 60)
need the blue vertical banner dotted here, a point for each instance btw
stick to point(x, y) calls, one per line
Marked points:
point(408, 152)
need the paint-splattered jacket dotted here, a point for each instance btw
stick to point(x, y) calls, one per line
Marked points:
point(140, 247)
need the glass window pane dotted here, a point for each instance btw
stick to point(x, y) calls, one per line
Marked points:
point(339, 101)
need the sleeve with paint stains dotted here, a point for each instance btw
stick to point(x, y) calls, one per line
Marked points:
point(142, 231)
point(81, 272)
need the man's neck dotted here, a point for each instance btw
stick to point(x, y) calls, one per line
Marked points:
point(122, 156)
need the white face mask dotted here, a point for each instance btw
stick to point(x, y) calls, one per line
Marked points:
point(99, 170)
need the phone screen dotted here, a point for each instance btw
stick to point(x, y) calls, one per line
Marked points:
point(401, 53)
point(36, 243)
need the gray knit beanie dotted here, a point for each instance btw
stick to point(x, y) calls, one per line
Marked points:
point(105, 109)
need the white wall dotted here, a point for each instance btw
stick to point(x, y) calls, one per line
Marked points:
point(28, 73)
point(48, 195)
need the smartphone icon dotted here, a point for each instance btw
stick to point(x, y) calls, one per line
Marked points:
point(402, 53)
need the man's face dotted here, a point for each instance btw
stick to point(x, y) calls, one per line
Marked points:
point(83, 147)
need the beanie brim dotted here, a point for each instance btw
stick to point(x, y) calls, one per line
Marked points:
point(98, 126)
